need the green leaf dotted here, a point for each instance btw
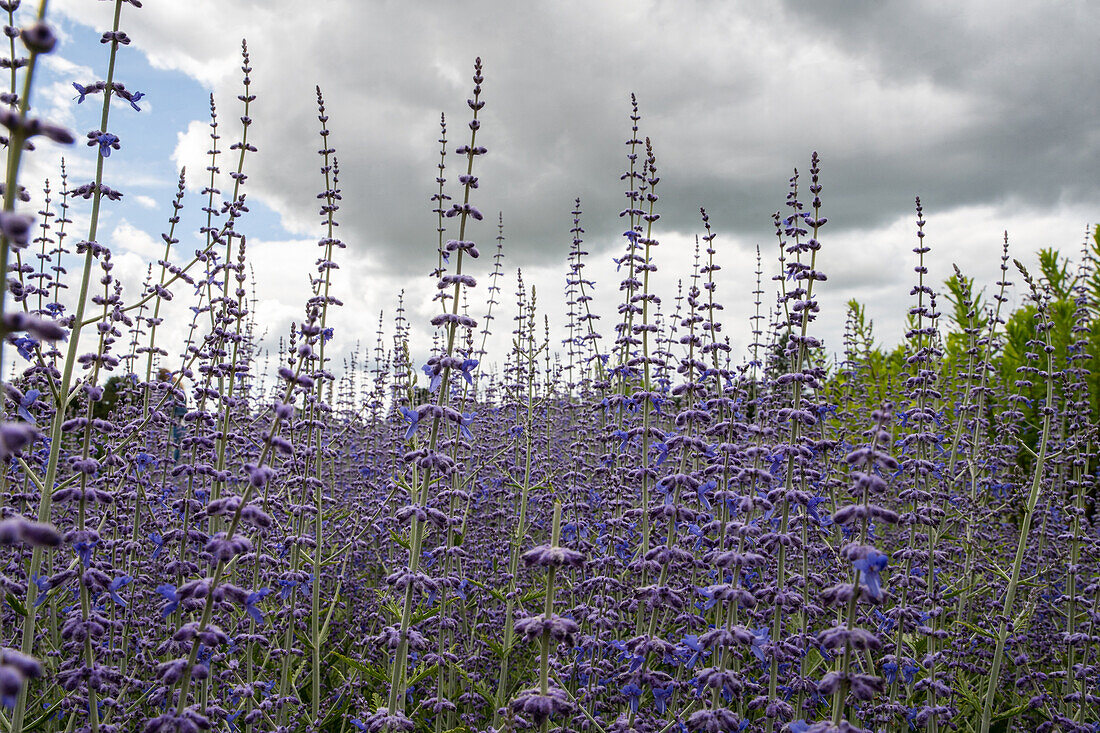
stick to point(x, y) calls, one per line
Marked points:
point(16, 605)
point(371, 672)
point(421, 673)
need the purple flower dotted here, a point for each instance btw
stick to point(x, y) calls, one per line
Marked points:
point(83, 91)
point(104, 140)
point(38, 38)
point(16, 227)
point(25, 346)
point(40, 328)
point(36, 534)
point(691, 641)
point(434, 376)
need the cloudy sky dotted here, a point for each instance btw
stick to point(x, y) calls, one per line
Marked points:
point(986, 110)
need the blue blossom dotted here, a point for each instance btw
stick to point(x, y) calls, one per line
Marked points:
point(661, 696)
point(105, 140)
point(84, 91)
point(633, 694)
point(464, 425)
point(286, 588)
point(134, 98)
point(84, 550)
point(29, 398)
point(811, 506)
point(143, 461)
point(414, 418)
point(691, 641)
point(43, 584)
point(662, 453)
point(869, 567)
point(623, 436)
point(467, 365)
point(250, 604)
point(170, 595)
point(116, 585)
point(158, 542)
point(25, 345)
point(761, 639)
point(702, 491)
point(434, 377)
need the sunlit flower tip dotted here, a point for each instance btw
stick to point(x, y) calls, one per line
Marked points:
point(539, 707)
point(720, 720)
point(556, 556)
point(38, 38)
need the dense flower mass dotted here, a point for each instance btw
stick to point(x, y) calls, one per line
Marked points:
point(645, 527)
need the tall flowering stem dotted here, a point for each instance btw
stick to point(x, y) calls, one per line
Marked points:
point(65, 392)
point(1043, 325)
point(441, 370)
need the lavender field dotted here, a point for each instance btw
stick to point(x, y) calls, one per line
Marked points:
point(524, 511)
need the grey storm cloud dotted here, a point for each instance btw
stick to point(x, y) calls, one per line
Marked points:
point(964, 104)
point(960, 102)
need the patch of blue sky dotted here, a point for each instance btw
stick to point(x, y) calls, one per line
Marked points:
point(143, 169)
